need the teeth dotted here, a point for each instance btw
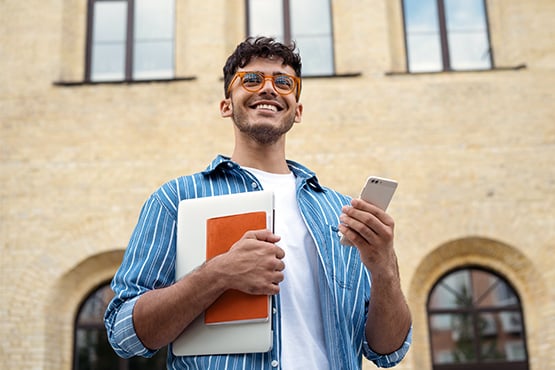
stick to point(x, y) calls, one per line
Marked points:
point(267, 106)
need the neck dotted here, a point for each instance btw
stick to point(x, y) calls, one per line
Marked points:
point(265, 158)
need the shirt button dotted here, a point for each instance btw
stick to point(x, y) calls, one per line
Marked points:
point(275, 363)
point(254, 185)
point(274, 311)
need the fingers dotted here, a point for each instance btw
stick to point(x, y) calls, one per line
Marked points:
point(262, 235)
point(256, 263)
point(363, 222)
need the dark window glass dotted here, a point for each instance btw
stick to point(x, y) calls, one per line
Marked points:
point(475, 322)
point(91, 348)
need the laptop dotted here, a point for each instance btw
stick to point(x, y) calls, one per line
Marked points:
point(227, 337)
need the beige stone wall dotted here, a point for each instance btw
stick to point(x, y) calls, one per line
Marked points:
point(474, 154)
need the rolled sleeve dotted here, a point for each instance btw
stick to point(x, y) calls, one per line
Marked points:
point(391, 359)
point(121, 331)
point(148, 263)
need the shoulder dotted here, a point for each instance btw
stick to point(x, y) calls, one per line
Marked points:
point(219, 177)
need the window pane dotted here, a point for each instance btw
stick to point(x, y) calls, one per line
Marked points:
point(424, 53)
point(92, 312)
point(422, 30)
point(452, 338)
point(154, 19)
point(108, 62)
point(501, 337)
point(311, 30)
point(421, 16)
point(454, 291)
point(153, 50)
point(266, 18)
point(310, 17)
point(110, 21)
point(94, 351)
point(491, 291)
point(467, 34)
point(465, 15)
point(317, 55)
point(153, 60)
point(108, 43)
point(469, 51)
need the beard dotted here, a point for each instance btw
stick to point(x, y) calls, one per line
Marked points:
point(261, 132)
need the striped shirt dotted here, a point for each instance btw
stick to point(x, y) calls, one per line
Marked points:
point(149, 263)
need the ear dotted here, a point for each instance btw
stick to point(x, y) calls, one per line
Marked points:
point(226, 108)
point(298, 113)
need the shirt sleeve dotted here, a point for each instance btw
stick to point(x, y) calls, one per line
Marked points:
point(391, 359)
point(148, 263)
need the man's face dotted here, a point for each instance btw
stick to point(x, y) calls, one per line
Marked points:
point(265, 115)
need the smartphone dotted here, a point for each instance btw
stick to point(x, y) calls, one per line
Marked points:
point(378, 191)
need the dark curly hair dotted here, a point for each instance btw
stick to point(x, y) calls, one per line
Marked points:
point(264, 47)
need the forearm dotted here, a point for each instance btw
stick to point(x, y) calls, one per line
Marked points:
point(389, 317)
point(253, 265)
point(161, 315)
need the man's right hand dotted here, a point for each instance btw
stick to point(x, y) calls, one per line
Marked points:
point(254, 264)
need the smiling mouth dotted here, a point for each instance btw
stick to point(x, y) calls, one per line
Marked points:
point(268, 107)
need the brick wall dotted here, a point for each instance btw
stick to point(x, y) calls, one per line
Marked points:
point(473, 152)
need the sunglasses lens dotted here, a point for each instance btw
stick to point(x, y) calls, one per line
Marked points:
point(253, 82)
point(284, 83)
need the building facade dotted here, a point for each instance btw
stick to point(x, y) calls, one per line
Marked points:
point(452, 98)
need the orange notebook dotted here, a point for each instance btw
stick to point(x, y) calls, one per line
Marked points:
point(234, 306)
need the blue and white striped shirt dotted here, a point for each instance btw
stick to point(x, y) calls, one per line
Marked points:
point(345, 283)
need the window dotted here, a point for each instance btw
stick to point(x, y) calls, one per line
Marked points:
point(307, 22)
point(475, 322)
point(91, 348)
point(130, 40)
point(446, 35)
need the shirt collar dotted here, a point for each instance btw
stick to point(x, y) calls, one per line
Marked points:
point(224, 163)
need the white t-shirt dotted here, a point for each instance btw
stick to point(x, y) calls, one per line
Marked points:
point(303, 342)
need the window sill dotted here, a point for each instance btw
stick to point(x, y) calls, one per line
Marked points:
point(341, 75)
point(495, 69)
point(123, 82)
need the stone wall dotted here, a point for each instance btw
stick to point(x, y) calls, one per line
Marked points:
point(473, 153)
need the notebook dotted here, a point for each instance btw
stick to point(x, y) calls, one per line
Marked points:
point(234, 306)
point(206, 227)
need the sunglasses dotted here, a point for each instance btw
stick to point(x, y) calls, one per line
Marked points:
point(283, 84)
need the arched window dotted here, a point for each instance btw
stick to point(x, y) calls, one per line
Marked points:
point(475, 322)
point(91, 348)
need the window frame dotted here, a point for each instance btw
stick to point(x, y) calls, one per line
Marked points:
point(475, 311)
point(444, 42)
point(129, 47)
point(288, 36)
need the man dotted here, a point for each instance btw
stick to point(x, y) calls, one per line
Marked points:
point(324, 316)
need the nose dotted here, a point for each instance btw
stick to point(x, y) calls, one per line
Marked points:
point(268, 86)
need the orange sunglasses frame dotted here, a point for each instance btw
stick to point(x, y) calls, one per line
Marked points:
point(240, 75)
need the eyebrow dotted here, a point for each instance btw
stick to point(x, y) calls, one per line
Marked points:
point(273, 73)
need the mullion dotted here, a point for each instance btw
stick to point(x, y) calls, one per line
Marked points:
point(130, 40)
point(287, 35)
point(443, 35)
point(88, 49)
